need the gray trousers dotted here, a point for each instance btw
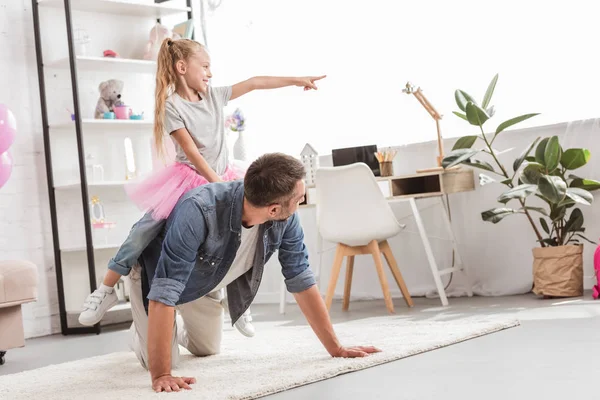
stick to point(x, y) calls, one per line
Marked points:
point(198, 325)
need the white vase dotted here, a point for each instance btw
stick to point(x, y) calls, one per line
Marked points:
point(239, 148)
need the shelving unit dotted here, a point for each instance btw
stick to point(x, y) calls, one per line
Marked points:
point(75, 185)
point(71, 258)
point(89, 123)
point(85, 63)
point(121, 7)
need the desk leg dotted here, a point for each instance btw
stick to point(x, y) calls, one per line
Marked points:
point(459, 259)
point(429, 252)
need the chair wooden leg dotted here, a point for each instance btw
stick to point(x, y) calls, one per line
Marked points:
point(373, 247)
point(335, 273)
point(389, 257)
point(348, 285)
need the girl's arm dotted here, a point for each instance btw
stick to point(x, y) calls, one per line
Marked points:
point(273, 82)
point(186, 142)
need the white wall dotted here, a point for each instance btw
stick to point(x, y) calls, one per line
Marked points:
point(370, 49)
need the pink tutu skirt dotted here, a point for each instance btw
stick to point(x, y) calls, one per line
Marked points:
point(160, 192)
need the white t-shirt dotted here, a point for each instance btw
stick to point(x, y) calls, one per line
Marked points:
point(243, 258)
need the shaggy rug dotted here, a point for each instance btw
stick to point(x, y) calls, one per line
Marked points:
point(276, 359)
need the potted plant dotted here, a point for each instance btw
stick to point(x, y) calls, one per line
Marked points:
point(542, 171)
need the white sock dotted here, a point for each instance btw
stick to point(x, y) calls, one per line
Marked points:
point(105, 289)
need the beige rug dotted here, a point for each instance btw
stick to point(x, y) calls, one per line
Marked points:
point(276, 359)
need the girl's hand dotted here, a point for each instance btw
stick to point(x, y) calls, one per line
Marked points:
point(308, 82)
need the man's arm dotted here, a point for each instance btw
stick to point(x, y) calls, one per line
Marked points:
point(273, 82)
point(300, 281)
point(177, 259)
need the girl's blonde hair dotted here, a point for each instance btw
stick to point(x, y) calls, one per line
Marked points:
point(170, 52)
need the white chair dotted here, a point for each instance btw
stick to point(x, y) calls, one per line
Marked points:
point(352, 212)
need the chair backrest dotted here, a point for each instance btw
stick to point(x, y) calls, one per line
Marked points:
point(350, 205)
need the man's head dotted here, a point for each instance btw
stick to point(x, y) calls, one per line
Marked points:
point(274, 185)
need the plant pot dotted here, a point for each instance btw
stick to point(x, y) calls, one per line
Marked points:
point(558, 271)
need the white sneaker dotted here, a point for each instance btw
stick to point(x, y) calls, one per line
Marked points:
point(96, 305)
point(244, 323)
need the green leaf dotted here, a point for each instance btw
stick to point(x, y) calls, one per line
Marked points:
point(552, 188)
point(524, 154)
point(465, 142)
point(531, 173)
point(519, 192)
point(476, 115)
point(545, 225)
point(457, 156)
point(575, 221)
point(537, 209)
point(575, 158)
point(552, 154)
point(584, 238)
point(485, 179)
point(587, 184)
point(462, 98)
point(489, 92)
point(479, 164)
point(461, 115)
point(580, 196)
point(496, 215)
point(530, 158)
point(540, 150)
point(549, 242)
point(557, 213)
point(513, 121)
point(506, 181)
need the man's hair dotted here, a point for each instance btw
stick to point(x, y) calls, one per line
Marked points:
point(272, 178)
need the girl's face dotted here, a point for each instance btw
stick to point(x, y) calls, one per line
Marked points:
point(196, 72)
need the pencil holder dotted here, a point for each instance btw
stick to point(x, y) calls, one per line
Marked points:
point(386, 168)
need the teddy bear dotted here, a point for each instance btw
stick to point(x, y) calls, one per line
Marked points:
point(110, 96)
point(157, 34)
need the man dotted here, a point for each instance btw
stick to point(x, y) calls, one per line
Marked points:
point(221, 235)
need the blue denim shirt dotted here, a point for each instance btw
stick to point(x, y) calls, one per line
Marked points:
point(195, 250)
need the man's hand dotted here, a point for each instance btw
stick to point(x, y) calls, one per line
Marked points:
point(354, 351)
point(308, 82)
point(168, 383)
point(313, 307)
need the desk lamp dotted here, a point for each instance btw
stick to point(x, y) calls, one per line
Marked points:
point(418, 93)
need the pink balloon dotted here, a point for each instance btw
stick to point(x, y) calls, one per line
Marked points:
point(5, 167)
point(8, 128)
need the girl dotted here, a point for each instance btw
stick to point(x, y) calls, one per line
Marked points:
point(191, 112)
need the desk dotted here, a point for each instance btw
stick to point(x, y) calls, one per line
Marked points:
point(410, 188)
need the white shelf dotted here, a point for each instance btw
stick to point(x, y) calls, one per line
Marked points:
point(83, 248)
point(106, 123)
point(120, 7)
point(76, 185)
point(107, 64)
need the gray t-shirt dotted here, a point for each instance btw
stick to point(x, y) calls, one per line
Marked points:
point(205, 122)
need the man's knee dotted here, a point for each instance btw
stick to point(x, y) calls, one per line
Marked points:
point(207, 348)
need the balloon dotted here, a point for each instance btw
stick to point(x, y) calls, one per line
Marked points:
point(8, 128)
point(5, 167)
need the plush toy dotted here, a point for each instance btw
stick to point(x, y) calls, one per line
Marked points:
point(110, 96)
point(157, 34)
